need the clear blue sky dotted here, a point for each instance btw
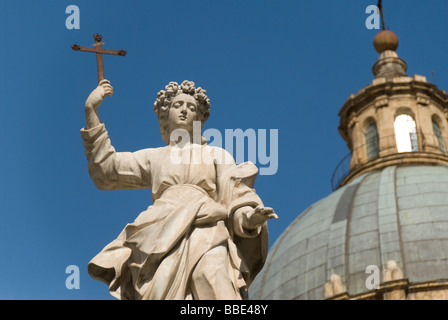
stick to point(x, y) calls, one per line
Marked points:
point(287, 65)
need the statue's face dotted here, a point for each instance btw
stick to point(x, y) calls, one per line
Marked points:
point(182, 113)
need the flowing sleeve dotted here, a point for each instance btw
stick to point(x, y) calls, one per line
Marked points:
point(111, 170)
point(235, 190)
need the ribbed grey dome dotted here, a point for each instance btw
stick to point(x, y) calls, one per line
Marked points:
point(398, 213)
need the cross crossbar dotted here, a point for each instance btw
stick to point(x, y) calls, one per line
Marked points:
point(98, 49)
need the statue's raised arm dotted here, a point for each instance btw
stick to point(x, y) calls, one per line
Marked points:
point(111, 170)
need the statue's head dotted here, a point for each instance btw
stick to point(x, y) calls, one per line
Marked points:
point(187, 103)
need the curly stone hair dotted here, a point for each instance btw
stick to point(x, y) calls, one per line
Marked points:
point(165, 97)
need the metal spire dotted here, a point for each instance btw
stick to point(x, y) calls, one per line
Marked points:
point(380, 7)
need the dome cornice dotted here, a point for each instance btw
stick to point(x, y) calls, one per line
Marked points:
point(396, 159)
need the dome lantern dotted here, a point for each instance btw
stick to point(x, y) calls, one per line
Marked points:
point(397, 119)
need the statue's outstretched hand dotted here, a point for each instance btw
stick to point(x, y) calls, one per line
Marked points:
point(258, 215)
point(97, 96)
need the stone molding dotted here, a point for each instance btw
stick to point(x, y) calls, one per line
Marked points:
point(401, 289)
point(405, 158)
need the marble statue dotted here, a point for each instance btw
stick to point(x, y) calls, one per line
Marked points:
point(334, 287)
point(205, 235)
point(392, 271)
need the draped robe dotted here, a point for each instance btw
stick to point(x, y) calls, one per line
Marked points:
point(195, 209)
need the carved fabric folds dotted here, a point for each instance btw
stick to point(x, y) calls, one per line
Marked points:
point(193, 211)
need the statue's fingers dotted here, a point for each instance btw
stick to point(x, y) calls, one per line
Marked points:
point(103, 82)
point(271, 215)
point(107, 86)
point(266, 211)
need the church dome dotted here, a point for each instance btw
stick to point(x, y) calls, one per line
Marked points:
point(397, 213)
point(382, 233)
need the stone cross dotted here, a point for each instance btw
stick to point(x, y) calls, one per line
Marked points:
point(98, 49)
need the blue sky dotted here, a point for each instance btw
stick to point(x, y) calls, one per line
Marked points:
point(287, 65)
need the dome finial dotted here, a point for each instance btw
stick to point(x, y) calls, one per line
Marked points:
point(385, 39)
